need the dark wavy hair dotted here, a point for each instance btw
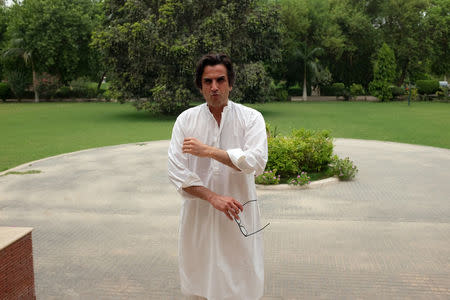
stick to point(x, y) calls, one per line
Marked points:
point(213, 59)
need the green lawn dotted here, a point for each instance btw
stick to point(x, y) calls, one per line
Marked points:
point(32, 131)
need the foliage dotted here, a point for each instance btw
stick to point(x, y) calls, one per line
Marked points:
point(151, 47)
point(295, 90)
point(278, 92)
point(384, 74)
point(356, 90)
point(397, 91)
point(268, 178)
point(56, 33)
point(301, 179)
point(437, 27)
point(252, 84)
point(427, 87)
point(5, 91)
point(338, 89)
point(64, 92)
point(83, 88)
point(344, 169)
point(303, 150)
point(47, 85)
point(18, 82)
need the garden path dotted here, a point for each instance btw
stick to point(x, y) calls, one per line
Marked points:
point(105, 226)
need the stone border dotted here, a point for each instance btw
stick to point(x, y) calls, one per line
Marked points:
point(313, 185)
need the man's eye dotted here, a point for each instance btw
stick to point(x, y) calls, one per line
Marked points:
point(207, 81)
point(221, 79)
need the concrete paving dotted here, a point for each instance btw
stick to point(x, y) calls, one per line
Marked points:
point(105, 226)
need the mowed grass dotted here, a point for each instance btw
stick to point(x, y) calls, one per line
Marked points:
point(424, 123)
point(31, 131)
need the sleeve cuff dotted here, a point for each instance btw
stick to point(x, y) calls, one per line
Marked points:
point(192, 180)
point(238, 159)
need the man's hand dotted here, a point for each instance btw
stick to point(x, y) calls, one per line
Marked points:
point(195, 147)
point(228, 205)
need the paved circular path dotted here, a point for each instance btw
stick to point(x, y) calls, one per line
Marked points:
point(105, 226)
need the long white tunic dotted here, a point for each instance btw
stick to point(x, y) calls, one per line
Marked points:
point(215, 260)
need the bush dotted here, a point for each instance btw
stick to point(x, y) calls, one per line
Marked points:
point(5, 91)
point(304, 150)
point(356, 90)
point(381, 90)
point(397, 91)
point(338, 89)
point(83, 88)
point(64, 92)
point(278, 92)
point(295, 90)
point(47, 85)
point(268, 178)
point(301, 179)
point(344, 169)
point(427, 87)
point(18, 83)
point(165, 100)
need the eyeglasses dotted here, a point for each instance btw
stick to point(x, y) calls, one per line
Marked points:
point(243, 229)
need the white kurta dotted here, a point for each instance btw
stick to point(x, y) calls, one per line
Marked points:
point(215, 260)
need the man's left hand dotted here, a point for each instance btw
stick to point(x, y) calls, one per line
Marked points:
point(195, 147)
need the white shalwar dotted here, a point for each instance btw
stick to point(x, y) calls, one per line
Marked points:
point(215, 260)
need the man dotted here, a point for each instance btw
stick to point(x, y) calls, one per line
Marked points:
point(215, 151)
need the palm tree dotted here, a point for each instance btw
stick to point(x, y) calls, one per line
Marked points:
point(308, 57)
point(16, 50)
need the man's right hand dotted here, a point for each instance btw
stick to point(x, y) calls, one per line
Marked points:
point(228, 205)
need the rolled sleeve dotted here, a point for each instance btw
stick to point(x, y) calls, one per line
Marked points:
point(179, 174)
point(238, 159)
point(253, 157)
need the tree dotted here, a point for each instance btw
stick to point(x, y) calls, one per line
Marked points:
point(151, 46)
point(402, 25)
point(437, 25)
point(55, 34)
point(308, 58)
point(384, 74)
point(360, 42)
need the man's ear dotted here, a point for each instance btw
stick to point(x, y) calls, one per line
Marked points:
point(231, 87)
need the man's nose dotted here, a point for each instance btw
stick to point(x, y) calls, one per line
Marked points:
point(214, 86)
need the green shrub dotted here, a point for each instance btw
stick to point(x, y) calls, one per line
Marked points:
point(64, 92)
point(427, 87)
point(301, 179)
point(381, 90)
point(344, 169)
point(397, 91)
point(356, 90)
point(18, 83)
point(268, 178)
point(338, 89)
point(5, 91)
point(304, 150)
point(278, 92)
point(295, 90)
point(47, 85)
point(164, 100)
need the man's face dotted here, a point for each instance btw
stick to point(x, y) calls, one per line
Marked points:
point(215, 85)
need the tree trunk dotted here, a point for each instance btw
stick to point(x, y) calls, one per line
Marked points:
point(305, 95)
point(36, 93)
point(403, 74)
point(101, 81)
